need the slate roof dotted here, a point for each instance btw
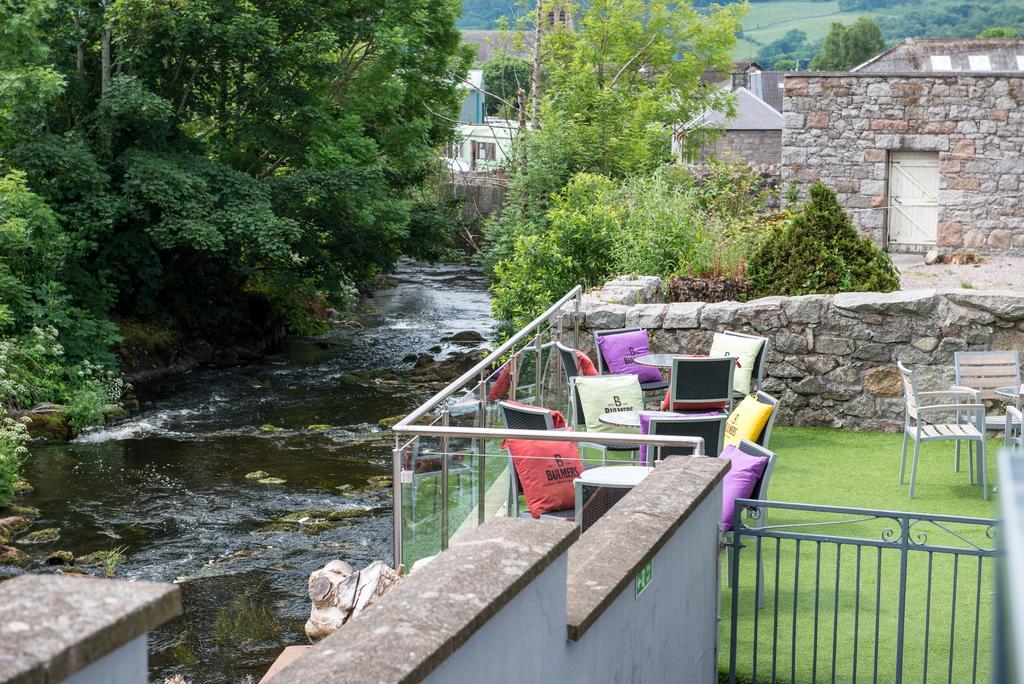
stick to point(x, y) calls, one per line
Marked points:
point(767, 85)
point(752, 114)
point(915, 54)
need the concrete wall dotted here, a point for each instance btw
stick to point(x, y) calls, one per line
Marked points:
point(831, 358)
point(514, 602)
point(840, 128)
point(760, 148)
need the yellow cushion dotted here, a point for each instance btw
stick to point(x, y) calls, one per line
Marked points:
point(747, 421)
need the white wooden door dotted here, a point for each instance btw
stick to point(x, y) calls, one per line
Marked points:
point(913, 197)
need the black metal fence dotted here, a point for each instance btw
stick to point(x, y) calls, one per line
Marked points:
point(845, 594)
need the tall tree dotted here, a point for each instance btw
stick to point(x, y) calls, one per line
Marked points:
point(999, 32)
point(847, 46)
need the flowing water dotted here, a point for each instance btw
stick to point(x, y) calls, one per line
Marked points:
point(168, 484)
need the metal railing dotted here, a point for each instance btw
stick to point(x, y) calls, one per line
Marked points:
point(459, 432)
point(900, 596)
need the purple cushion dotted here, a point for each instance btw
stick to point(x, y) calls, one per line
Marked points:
point(620, 349)
point(739, 481)
point(645, 424)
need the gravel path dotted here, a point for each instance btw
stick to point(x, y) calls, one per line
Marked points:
point(993, 273)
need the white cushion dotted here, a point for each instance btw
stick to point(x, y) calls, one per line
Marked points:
point(743, 348)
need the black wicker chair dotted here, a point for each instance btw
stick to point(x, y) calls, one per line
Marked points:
point(698, 382)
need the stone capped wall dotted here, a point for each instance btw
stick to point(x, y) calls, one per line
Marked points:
point(840, 128)
point(831, 358)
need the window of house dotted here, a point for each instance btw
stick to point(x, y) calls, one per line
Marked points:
point(488, 151)
point(979, 63)
point(942, 63)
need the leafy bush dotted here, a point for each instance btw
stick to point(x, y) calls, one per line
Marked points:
point(13, 436)
point(821, 252)
point(666, 223)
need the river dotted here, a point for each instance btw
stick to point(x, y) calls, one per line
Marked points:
point(168, 484)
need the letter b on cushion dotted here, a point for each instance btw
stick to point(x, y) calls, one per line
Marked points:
point(546, 471)
point(747, 421)
point(620, 350)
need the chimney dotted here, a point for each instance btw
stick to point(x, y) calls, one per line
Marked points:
point(740, 80)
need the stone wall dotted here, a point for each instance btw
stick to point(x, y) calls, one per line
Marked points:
point(831, 358)
point(759, 148)
point(840, 128)
point(482, 193)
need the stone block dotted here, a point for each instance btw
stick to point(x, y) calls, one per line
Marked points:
point(649, 288)
point(883, 381)
point(809, 385)
point(607, 317)
point(925, 344)
point(683, 315)
point(790, 343)
point(835, 346)
point(861, 407)
point(872, 351)
point(646, 316)
point(719, 313)
point(915, 302)
point(1005, 304)
point(805, 309)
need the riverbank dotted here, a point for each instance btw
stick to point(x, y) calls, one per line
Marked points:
point(167, 485)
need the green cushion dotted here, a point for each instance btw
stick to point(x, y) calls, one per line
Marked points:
point(743, 348)
point(606, 394)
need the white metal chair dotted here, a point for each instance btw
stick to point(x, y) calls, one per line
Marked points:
point(987, 371)
point(758, 515)
point(967, 426)
point(1012, 438)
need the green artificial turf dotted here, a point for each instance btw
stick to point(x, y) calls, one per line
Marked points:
point(854, 469)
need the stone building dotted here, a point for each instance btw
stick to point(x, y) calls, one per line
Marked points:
point(752, 135)
point(922, 143)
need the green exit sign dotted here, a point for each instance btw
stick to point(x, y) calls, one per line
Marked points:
point(643, 578)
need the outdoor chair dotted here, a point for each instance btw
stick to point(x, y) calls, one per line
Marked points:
point(968, 423)
point(580, 424)
point(757, 376)
point(413, 457)
point(527, 418)
point(766, 432)
point(570, 364)
point(710, 428)
point(987, 371)
point(1012, 438)
point(602, 366)
point(758, 515)
point(701, 383)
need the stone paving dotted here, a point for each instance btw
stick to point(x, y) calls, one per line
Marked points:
point(993, 273)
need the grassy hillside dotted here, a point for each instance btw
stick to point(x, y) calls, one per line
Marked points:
point(770, 20)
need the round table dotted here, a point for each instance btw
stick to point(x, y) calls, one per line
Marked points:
point(659, 360)
point(614, 476)
point(631, 419)
point(1011, 392)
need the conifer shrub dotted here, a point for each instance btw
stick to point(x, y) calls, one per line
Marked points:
point(819, 252)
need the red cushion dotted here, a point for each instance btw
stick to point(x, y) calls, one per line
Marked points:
point(587, 366)
point(546, 470)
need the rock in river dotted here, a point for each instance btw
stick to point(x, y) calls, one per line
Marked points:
point(61, 558)
point(12, 557)
point(257, 475)
point(271, 480)
point(44, 536)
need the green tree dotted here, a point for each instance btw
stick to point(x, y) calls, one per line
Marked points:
point(819, 252)
point(999, 32)
point(504, 77)
point(609, 88)
point(847, 46)
point(786, 65)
